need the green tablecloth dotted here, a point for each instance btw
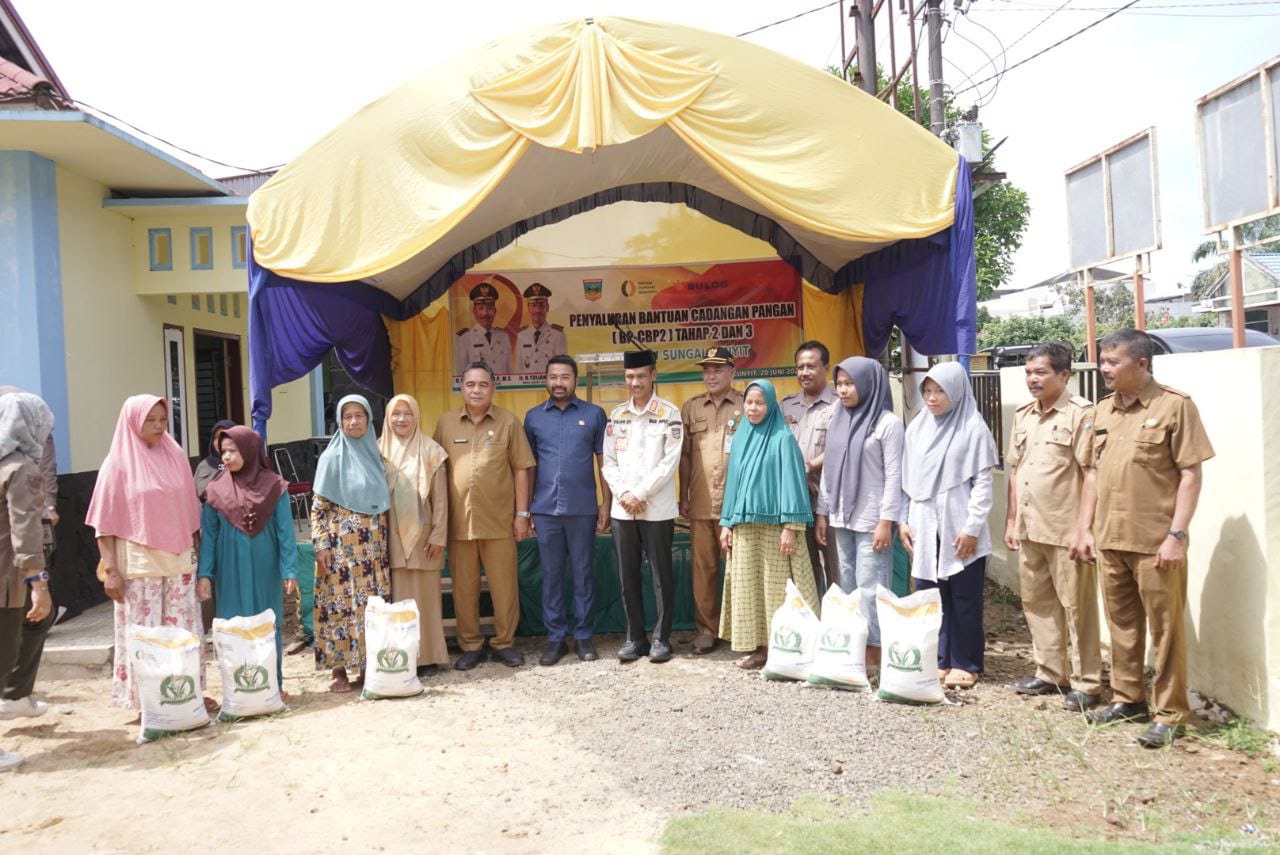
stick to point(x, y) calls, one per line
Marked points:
point(610, 617)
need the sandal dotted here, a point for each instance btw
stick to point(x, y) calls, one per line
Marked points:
point(958, 678)
point(942, 675)
point(752, 661)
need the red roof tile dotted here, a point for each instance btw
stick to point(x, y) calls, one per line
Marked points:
point(16, 80)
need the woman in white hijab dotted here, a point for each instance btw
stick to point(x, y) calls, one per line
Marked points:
point(946, 477)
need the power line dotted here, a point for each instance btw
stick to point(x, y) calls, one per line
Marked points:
point(174, 145)
point(1004, 56)
point(787, 20)
point(1037, 26)
point(1215, 5)
point(1058, 43)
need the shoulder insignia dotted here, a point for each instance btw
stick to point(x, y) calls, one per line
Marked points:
point(1027, 406)
point(557, 327)
point(1178, 392)
point(463, 331)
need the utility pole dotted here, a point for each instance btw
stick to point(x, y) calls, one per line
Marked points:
point(937, 113)
point(865, 28)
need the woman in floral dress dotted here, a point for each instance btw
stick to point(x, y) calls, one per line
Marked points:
point(349, 531)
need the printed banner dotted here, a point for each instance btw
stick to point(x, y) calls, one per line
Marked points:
point(516, 321)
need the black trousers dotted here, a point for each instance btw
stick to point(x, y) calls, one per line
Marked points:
point(21, 644)
point(630, 537)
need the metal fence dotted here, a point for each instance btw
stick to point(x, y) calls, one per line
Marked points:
point(986, 389)
point(1088, 381)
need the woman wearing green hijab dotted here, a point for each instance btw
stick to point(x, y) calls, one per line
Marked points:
point(765, 512)
point(349, 532)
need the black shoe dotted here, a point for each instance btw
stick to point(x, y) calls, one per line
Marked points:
point(469, 660)
point(428, 670)
point(633, 650)
point(553, 653)
point(1158, 735)
point(1036, 686)
point(586, 650)
point(660, 652)
point(1078, 701)
point(508, 656)
point(1120, 712)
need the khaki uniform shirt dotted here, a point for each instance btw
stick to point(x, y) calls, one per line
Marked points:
point(641, 453)
point(1139, 452)
point(21, 536)
point(534, 347)
point(482, 457)
point(704, 456)
point(808, 422)
point(1048, 455)
point(475, 344)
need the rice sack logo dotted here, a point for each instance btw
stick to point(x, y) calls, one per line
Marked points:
point(392, 660)
point(904, 658)
point(250, 678)
point(593, 289)
point(835, 641)
point(787, 640)
point(177, 689)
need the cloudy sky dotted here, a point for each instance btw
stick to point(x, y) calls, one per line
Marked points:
point(253, 83)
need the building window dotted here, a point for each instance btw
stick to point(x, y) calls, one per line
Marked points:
point(235, 305)
point(160, 246)
point(239, 247)
point(171, 300)
point(202, 248)
point(208, 303)
point(195, 302)
point(222, 304)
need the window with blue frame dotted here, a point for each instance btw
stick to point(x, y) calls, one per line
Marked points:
point(160, 248)
point(202, 248)
point(239, 247)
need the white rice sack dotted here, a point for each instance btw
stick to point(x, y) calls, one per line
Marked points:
point(391, 639)
point(793, 636)
point(246, 649)
point(909, 637)
point(841, 658)
point(166, 672)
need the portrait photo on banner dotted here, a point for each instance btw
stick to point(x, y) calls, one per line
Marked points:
point(517, 320)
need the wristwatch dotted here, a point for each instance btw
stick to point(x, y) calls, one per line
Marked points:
point(1179, 535)
point(42, 576)
point(524, 514)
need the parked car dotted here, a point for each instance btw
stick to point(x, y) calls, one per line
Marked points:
point(1194, 339)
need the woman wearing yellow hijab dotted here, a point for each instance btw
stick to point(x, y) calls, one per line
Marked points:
point(419, 523)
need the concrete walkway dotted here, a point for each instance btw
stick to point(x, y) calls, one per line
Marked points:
point(81, 647)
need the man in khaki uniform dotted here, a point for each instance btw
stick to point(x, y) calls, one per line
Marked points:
point(808, 412)
point(489, 462)
point(1051, 451)
point(24, 583)
point(709, 422)
point(1148, 443)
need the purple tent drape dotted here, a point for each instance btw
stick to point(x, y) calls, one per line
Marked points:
point(292, 325)
point(928, 287)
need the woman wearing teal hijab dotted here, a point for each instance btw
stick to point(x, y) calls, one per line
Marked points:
point(764, 514)
point(349, 531)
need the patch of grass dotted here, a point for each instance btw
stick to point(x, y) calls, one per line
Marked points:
point(1239, 734)
point(898, 823)
point(1271, 767)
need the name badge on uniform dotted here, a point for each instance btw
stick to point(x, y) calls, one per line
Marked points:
point(728, 441)
point(460, 440)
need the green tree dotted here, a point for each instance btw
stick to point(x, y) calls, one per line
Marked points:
point(1000, 215)
point(999, 332)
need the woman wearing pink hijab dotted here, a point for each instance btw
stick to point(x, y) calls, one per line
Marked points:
point(147, 517)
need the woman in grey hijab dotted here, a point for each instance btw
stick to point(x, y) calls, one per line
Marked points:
point(946, 476)
point(860, 495)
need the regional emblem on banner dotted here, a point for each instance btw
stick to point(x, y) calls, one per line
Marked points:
point(592, 289)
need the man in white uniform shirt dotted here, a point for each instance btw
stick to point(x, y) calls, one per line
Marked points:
point(539, 341)
point(641, 454)
point(483, 343)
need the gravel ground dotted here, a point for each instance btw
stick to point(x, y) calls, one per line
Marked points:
point(585, 756)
